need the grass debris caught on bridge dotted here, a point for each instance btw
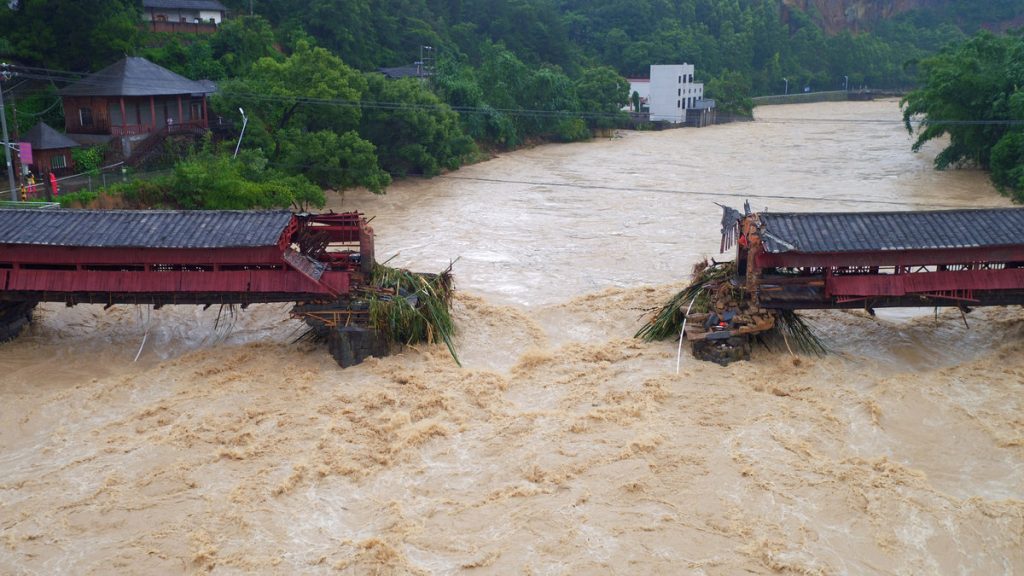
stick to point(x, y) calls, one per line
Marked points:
point(708, 279)
point(668, 321)
point(410, 308)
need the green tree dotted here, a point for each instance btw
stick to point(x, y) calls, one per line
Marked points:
point(304, 113)
point(731, 92)
point(209, 181)
point(241, 42)
point(41, 106)
point(1008, 164)
point(416, 133)
point(603, 93)
point(332, 160)
point(192, 59)
point(966, 95)
point(456, 83)
point(71, 34)
point(552, 106)
point(972, 94)
point(88, 159)
point(1008, 154)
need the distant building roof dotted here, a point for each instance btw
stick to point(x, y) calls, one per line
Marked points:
point(184, 5)
point(143, 228)
point(410, 71)
point(135, 76)
point(42, 137)
point(704, 103)
point(885, 231)
point(209, 85)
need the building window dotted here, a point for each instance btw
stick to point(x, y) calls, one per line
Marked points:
point(679, 103)
point(58, 161)
point(680, 80)
point(679, 92)
point(85, 117)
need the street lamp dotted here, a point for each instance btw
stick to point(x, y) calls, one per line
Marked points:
point(846, 83)
point(421, 66)
point(786, 80)
point(245, 120)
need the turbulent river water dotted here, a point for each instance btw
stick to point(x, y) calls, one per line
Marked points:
point(562, 446)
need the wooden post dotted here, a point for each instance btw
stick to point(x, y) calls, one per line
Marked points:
point(152, 113)
point(124, 119)
point(181, 117)
point(206, 121)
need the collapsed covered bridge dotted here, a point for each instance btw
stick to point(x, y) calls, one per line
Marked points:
point(883, 259)
point(322, 262)
point(797, 261)
point(179, 257)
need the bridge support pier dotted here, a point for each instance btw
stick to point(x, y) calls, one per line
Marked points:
point(724, 351)
point(14, 316)
point(350, 345)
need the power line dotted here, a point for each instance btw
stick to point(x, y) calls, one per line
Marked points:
point(920, 121)
point(37, 114)
point(698, 193)
point(93, 80)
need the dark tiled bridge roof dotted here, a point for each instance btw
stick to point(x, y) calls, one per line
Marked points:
point(885, 231)
point(142, 228)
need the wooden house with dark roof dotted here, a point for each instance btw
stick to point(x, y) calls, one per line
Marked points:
point(51, 150)
point(189, 16)
point(135, 97)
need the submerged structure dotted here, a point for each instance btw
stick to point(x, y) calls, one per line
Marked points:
point(324, 263)
point(798, 261)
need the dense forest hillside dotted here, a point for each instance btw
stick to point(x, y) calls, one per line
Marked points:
point(815, 42)
point(835, 16)
point(501, 72)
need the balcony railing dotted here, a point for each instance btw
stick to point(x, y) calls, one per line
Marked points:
point(176, 128)
point(178, 27)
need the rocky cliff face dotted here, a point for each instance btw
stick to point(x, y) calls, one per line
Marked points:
point(837, 15)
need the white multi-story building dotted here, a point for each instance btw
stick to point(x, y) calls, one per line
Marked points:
point(673, 92)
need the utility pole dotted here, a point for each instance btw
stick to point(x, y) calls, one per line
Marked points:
point(5, 75)
point(422, 70)
point(21, 170)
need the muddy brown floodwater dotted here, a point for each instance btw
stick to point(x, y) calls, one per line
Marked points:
point(563, 446)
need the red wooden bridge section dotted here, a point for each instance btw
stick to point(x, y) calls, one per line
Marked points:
point(181, 257)
point(882, 259)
